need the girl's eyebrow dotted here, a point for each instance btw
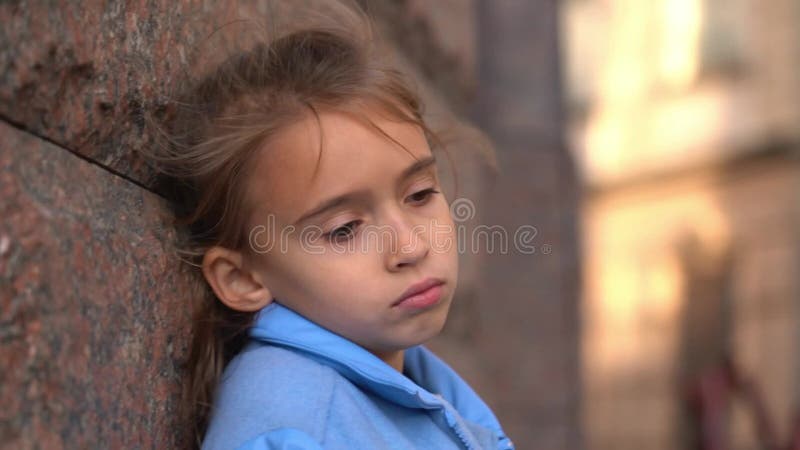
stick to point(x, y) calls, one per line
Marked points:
point(350, 197)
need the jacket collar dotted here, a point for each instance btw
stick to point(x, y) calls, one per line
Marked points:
point(279, 325)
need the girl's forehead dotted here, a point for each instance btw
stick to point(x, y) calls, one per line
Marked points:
point(312, 160)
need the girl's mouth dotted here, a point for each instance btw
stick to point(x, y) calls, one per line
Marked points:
point(421, 295)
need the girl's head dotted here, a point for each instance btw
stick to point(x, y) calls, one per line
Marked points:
point(303, 173)
point(345, 213)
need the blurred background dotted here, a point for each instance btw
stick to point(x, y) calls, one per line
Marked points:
point(683, 117)
point(649, 147)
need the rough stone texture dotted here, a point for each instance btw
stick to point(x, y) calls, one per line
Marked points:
point(84, 74)
point(92, 308)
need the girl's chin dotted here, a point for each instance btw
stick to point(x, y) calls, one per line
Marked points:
point(424, 335)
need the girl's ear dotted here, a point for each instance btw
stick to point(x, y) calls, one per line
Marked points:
point(235, 286)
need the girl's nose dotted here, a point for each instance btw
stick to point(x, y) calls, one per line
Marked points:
point(410, 245)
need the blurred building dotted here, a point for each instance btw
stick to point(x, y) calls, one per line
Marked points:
point(684, 118)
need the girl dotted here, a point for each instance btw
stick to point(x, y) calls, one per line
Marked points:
point(303, 174)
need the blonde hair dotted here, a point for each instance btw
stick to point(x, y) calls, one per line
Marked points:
point(218, 125)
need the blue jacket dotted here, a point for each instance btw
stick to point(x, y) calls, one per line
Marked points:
point(298, 386)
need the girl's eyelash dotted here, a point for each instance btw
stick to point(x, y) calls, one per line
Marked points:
point(347, 231)
point(335, 235)
point(426, 192)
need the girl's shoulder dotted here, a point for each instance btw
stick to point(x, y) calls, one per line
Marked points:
point(268, 387)
point(260, 363)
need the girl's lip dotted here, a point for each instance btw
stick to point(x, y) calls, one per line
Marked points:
point(422, 300)
point(421, 287)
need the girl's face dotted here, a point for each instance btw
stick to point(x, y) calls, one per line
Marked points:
point(340, 246)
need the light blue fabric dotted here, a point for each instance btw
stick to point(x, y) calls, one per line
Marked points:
point(297, 385)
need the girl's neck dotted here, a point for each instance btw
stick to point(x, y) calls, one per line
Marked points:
point(394, 359)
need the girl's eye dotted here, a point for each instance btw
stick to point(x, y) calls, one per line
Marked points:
point(423, 196)
point(342, 233)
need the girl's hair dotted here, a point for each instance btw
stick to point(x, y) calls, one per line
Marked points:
point(217, 126)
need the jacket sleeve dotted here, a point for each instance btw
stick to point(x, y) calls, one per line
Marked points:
point(282, 439)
